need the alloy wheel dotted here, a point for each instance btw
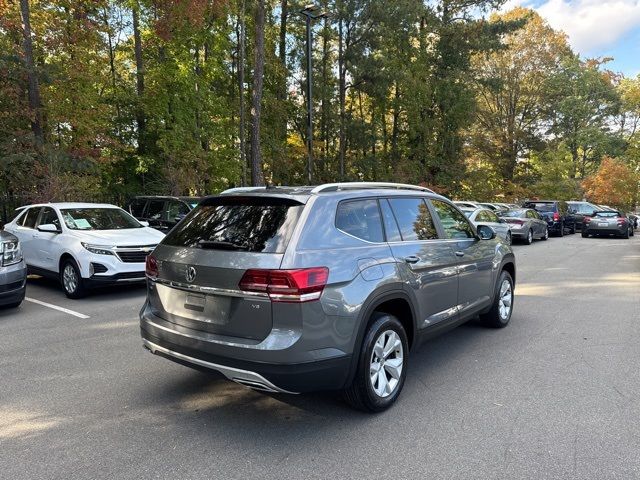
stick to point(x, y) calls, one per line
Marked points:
point(386, 363)
point(69, 278)
point(505, 300)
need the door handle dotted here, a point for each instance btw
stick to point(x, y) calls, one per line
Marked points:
point(459, 254)
point(412, 259)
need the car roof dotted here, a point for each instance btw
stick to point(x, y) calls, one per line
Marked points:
point(65, 205)
point(341, 190)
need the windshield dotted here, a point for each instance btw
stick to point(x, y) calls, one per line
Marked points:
point(520, 212)
point(467, 211)
point(98, 219)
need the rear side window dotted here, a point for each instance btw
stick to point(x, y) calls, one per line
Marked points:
point(29, 220)
point(250, 224)
point(454, 223)
point(414, 219)
point(360, 218)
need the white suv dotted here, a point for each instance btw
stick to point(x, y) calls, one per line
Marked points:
point(83, 244)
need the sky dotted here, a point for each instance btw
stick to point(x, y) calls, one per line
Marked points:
point(596, 28)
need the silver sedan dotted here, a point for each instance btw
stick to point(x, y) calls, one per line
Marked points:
point(526, 224)
point(484, 216)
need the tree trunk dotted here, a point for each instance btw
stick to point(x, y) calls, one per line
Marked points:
point(35, 102)
point(137, 45)
point(257, 177)
point(342, 88)
point(242, 36)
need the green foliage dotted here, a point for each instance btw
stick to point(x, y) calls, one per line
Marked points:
point(435, 93)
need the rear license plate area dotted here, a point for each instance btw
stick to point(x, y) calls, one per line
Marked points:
point(195, 303)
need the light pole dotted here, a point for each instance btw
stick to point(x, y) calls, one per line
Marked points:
point(309, 12)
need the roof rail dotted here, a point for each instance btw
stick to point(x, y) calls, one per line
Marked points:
point(335, 187)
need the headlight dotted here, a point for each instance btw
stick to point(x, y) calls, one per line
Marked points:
point(10, 253)
point(99, 249)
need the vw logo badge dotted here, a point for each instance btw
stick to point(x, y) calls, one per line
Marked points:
point(191, 274)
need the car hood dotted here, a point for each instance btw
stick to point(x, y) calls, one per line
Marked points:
point(121, 238)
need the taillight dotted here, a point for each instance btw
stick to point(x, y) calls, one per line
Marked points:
point(621, 219)
point(556, 217)
point(586, 219)
point(151, 266)
point(298, 286)
point(516, 222)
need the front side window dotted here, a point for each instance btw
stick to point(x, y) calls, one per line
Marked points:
point(251, 224)
point(98, 219)
point(455, 224)
point(154, 210)
point(483, 216)
point(137, 207)
point(177, 209)
point(49, 217)
point(360, 218)
point(414, 219)
point(29, 220)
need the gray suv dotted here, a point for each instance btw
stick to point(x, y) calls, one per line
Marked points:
point(13, 271)
point(296, 289)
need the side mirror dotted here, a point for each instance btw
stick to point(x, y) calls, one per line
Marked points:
point(144, 223)
point(486, 232)
point(48, 228)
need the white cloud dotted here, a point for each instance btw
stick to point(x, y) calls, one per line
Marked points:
point(590, 24)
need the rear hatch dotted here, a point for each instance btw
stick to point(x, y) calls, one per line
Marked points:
point(202, 261)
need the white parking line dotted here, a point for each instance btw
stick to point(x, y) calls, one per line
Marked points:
point(55, 307)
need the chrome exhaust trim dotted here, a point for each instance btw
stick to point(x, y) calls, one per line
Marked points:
point(246, 378)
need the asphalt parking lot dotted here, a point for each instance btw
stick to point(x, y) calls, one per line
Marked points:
point(554, 395)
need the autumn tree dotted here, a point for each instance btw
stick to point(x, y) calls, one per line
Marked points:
point(614, 184)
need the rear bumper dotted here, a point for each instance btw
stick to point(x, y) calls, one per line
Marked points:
point(327, 374)
point(607, 231)
point(554, 227)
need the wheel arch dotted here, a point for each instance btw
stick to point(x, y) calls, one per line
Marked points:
point(396, 302)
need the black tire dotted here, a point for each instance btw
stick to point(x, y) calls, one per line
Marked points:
point(573, 228)
point(361, 394)
point(494, 318)
point(528, 240)
point(79, 290)
point(545, 237)
point(584, 233)
point(631, 232)
point(509, 238)
point(625, 235)
point(561, 231)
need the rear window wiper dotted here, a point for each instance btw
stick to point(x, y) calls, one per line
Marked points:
point(221, 245)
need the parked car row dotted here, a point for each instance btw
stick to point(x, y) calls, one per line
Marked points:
point(537, 219)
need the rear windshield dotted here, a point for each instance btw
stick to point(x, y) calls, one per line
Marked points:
point(520, 212)
point(542, 207)
point(608, 214)
point(250, 224)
